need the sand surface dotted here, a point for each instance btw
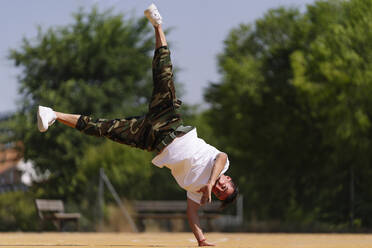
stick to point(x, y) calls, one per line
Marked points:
point(143, 240)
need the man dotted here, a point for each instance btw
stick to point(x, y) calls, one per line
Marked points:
point(197, 167)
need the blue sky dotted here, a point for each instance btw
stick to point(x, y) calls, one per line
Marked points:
point(199, 28)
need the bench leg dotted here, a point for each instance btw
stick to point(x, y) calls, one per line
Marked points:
point(62, 225)
point(169, 224)
point(58, 224)
point(141, 226)
point(77, 225)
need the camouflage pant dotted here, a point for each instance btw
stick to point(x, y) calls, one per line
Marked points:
point(147, 131)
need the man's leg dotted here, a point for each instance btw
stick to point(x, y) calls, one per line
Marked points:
point(130, 131)
point(164, 94)
point(163, 108)
point(142, 132)
point(67, 119)
point(139, 131)
point(160, 40)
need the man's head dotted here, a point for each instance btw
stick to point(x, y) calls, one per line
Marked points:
point(225, 190)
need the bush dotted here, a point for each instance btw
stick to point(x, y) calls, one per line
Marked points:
point(18, 212)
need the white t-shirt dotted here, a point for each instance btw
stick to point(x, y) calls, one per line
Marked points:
point(190, 160)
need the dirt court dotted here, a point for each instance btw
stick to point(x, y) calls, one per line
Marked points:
point(143, 240)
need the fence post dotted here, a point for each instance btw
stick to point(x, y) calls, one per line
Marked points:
point(117, 199)
point(100, 200)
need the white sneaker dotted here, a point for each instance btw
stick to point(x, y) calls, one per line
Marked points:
point(153, 15)
point(45, 118)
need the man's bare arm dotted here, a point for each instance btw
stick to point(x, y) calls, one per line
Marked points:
point(218, 166)
point(193, 217)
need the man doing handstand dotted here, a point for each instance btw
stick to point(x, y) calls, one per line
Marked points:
point(197, 166)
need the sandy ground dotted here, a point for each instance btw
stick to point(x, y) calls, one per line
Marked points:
point(143, 240)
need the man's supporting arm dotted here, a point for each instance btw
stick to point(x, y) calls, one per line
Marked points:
point(193, 217)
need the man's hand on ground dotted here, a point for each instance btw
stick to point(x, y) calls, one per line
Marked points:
point(205, 243)
point(207, 193)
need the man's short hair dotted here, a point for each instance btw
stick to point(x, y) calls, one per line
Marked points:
point(232, 197)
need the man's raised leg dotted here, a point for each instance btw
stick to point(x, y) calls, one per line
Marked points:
point(164, 103)
point(160, 37)
point(67, 119)
point(130, 131)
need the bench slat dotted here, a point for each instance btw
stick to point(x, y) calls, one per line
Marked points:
point(161, 216)
point(67, 215)
point(49, 205)
point(160, 206)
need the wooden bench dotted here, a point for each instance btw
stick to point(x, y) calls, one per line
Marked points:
point(53, 210)
point(168, 210)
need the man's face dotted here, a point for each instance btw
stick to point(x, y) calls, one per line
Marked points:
point(223, 187)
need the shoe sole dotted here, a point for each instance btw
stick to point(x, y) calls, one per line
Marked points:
point(40, 123)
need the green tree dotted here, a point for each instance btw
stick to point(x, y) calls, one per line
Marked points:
point(16, 213)
point(100, 65)
point(253, 108)
point(332, 77)
point(293, 112)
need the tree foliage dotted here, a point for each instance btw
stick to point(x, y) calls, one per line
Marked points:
point(293, 110)
point(16, 213)
point(100, 65)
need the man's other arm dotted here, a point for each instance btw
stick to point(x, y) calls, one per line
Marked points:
point(218, 166)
